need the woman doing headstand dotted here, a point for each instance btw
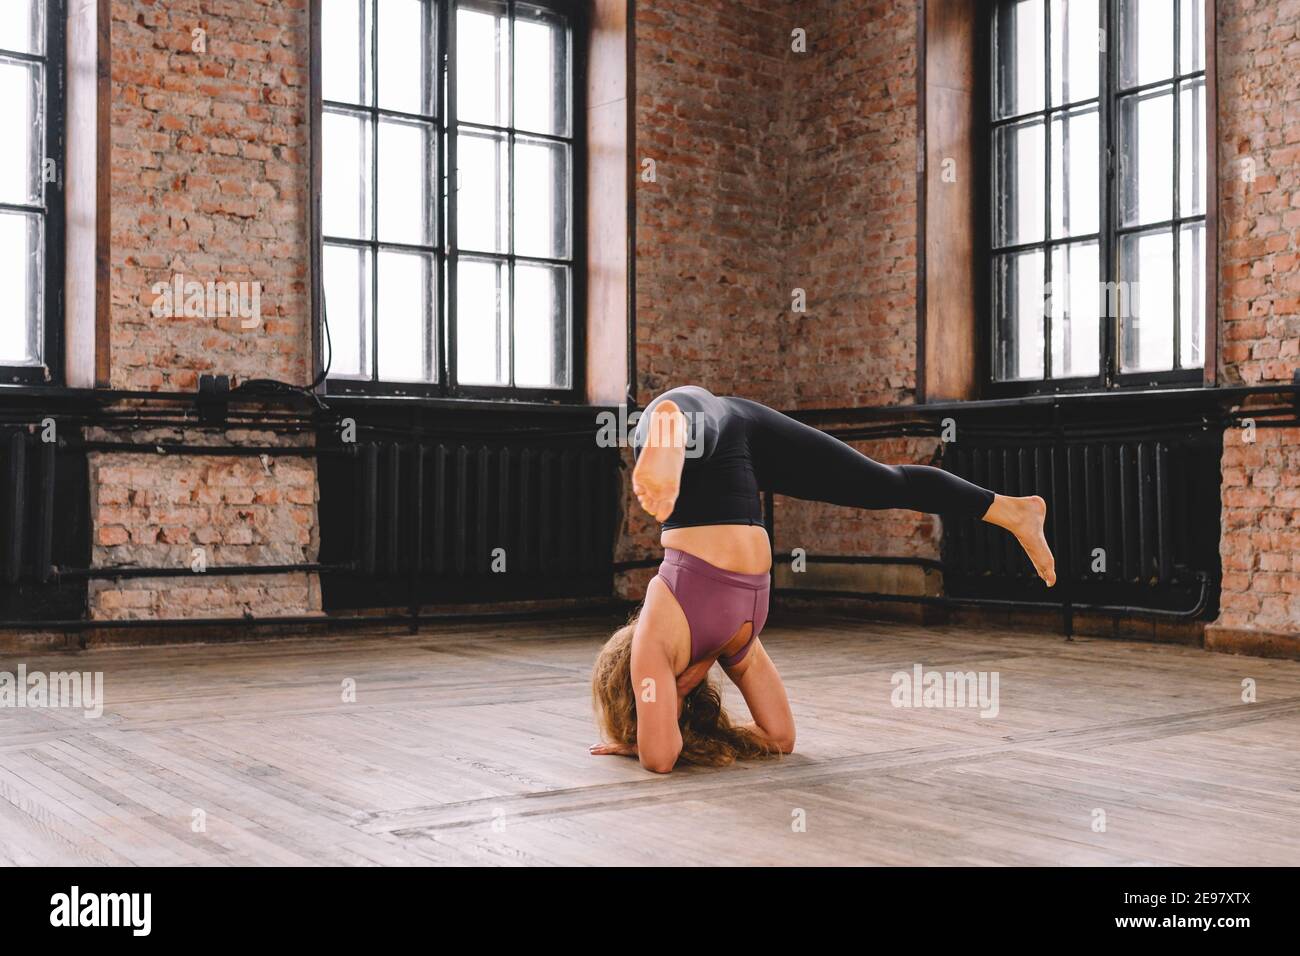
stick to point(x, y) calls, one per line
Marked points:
point(701, 462)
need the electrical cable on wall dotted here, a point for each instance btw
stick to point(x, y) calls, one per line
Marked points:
point(272, 386)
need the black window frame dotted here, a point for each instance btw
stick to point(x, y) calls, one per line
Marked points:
point(1109, 92)
point(445, 249)
point(53, 60)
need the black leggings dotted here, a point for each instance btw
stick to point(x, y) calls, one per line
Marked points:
point(740, 448)
point(794, 459)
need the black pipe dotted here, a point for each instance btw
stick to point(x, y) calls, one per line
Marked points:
point(44, 544)
point(416, 539)
point(603, 605)
point(636, 564)
point(856, 559)
point(165, 448)
point(288, 425)
point(102, 400)
point(111, 573)
point(1219, 395)
point(17, 505)
point(368, 512)
point(47, 397)
point(931, 563)
point(946, 601)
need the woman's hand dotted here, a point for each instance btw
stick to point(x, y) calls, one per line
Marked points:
point(614, 750)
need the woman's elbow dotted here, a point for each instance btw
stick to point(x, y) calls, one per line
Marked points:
point(659, 762)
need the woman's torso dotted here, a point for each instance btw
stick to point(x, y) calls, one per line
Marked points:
point(744, 549)
point(718, 517)
point(733, 547)
point(718, 508)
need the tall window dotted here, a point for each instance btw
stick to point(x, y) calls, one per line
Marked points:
point(31, 200)
point(1099, 191)
point(447, 191)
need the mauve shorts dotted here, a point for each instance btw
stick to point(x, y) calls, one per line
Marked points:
point(717, 603)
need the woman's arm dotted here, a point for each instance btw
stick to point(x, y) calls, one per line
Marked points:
point(660, 627)
point(659, 738)
point(764, 693)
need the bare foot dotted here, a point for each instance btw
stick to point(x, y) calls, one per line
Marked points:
point(1024, 517)
point(657, 477)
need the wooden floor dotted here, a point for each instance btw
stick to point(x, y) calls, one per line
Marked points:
point(469, 746)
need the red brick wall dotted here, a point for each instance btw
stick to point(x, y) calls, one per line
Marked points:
point(161, 512)
point(852, 206)
point(777, 171)
point(1259, 304)
point(781, 170)
point(209, 182)
point(713, 301)
point(852, 209)
point(1260, 546)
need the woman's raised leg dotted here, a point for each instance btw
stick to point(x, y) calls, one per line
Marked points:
point(795, 459)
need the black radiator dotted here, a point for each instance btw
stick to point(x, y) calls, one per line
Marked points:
point(44, 521)
point(1133, 519)
point(450, 521)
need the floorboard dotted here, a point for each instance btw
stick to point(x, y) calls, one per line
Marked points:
point(467, 745)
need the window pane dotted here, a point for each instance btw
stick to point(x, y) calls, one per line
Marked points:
point(21, 123)
point(345, 51)
point(405, 317)
point(1146, 136)
point(483, 194)
point(1021, 37)
point(345, 172)
point(482, 317)
point(1191, 151)
point(1146, 274)
point(483, 64)
point(541, 326)
point(1191, 53)
point(347, 310)
point(21, 28)
point(1019, 352)
point(1076, 52)
point(21, 288)
point(1019, 172)
point(405, 55)
point(1146, 45)
point(405, 204)
point(541, 72)
point(1076, 183)
point(1191, 265)
point(1074, 310)
point(541, 199)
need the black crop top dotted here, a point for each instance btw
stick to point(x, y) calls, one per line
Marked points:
point(719, 485)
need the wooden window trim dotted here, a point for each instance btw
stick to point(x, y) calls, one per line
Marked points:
point(954, 294)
